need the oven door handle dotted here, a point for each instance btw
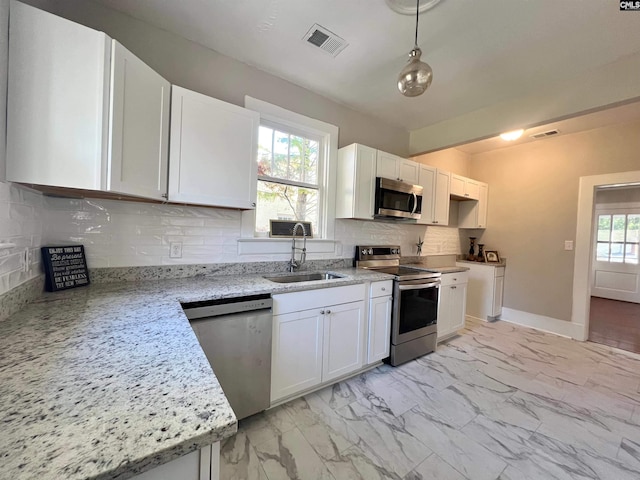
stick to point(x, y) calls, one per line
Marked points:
point(421, 286)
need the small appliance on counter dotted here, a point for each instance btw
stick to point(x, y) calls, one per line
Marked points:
point(415, 302)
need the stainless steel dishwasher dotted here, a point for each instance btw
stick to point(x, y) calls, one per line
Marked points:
point(235, 334)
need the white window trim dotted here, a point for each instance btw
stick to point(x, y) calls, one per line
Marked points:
point(249, 244)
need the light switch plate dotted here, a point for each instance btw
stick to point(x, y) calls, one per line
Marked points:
point(568, 244)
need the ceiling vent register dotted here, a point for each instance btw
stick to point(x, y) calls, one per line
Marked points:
point(325, 40)
point(548, 133)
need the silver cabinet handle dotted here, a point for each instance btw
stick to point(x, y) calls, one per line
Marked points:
point(328, 312)
point(435, 221)
point(383, 289)
point(453, 286)
point(321, 312)
point(455, 279)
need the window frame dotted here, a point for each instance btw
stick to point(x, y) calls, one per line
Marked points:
point(249, 243)
point(321, 186)
point(612, 210)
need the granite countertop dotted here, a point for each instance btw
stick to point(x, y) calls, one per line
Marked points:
point(497, 264)
point(108, 381)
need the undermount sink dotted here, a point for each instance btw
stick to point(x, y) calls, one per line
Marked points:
point(304, 277)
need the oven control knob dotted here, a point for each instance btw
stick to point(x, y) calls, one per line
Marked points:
point(364, 251)
point(370, 252)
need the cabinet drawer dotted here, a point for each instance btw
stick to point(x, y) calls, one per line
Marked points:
point(380, 289)
point(322, 297)
point(499, 272)
point(454, 278)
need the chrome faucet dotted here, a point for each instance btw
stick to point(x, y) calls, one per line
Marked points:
point(303, 255)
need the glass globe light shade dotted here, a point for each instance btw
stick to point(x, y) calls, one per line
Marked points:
point(416, 76)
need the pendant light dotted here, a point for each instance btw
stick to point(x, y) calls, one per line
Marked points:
point(416, 76)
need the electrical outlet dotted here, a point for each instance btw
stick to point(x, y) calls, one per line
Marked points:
point(568, 244)
point(175, 250)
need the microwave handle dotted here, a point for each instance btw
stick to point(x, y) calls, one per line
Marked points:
point(420, 286)
point(415, 203)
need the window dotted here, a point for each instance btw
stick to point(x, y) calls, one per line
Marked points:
point(618, 237)
point(296, 166)
point(290, 174)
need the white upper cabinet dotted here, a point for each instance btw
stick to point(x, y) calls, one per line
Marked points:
point(435, 196)
point(82, 111)
point(356, 182)
point(397, 168)
point(213, 158)
point(465, 188)
point(473, 213)
point(139, 146)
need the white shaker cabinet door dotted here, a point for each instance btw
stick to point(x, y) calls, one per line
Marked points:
point(213, 158)
point(343, 340)
point(139, 147)
point(58, 91)
point(379, 328)
point(296, 362)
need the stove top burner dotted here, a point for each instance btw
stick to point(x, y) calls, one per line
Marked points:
point(386, 259)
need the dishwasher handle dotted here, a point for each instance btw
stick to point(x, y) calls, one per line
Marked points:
point(227, 306)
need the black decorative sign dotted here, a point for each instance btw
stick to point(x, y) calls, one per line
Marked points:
point(65, 267)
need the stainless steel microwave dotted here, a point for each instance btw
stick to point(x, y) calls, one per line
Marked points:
point(397, 199)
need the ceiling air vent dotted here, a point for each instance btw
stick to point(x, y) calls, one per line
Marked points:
point(548, 133)
point(326, 40)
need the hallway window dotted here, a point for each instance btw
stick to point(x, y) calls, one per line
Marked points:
point(618, 238)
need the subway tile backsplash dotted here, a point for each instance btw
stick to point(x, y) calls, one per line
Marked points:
point(122, 234)
point(21, 225)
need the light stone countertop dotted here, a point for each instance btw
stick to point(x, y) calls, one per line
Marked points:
point(109, 380)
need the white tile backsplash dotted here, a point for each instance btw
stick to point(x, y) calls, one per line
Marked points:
point(121, 234)
point(21, 213)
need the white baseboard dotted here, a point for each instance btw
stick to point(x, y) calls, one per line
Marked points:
point(543, 323)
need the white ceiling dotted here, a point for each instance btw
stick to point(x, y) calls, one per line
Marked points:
point(482, 51)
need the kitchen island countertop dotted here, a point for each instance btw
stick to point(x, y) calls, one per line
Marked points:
point(108, 381)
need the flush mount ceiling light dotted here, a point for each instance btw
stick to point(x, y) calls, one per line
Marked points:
point(513, 135)
point(416, 76)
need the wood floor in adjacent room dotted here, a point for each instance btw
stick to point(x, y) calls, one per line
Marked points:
point(498, 402)
point(615, 323)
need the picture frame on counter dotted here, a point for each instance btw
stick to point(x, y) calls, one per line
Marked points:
point(491, 256)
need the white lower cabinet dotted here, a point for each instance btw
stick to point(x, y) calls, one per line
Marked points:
point(296, 362)
point(380, 304)
point(486, 286)
point(452, 305)
point(203, 464)
point(318, 344)
point(343, 335)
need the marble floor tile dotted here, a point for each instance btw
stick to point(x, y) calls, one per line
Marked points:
point(267, 425)
point(569, 424)
point(498, 401)
point(238, 459)
point(454, 447)
point(356, 464)
point(289, 456)
point(393, 445)
point(434, 468)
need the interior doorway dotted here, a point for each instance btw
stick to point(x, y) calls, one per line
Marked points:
point(582, 272)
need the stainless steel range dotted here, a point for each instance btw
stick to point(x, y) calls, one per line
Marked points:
point(415, 302)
